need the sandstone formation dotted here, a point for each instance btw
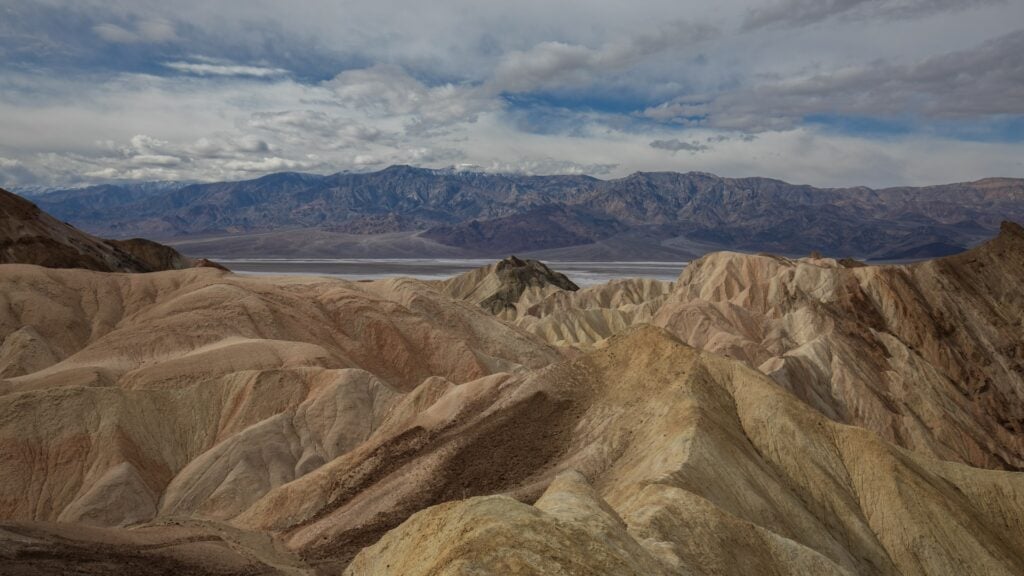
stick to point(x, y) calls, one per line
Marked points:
point(176, 548)
point(547, 304)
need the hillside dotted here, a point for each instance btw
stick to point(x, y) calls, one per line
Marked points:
point(30, 236)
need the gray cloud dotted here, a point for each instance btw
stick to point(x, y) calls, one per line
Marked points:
point(227, 147)
point(557, 64)
point(788, 13)
point(144, 89)
point(676, 145)
point(144, 30)
point(984, 81)
point(389, 91)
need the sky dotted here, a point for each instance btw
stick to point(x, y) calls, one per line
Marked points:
point(822, 92)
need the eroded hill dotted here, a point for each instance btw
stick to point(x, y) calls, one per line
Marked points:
point(800, 416)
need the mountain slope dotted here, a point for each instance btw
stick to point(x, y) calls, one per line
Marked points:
point(30, 236)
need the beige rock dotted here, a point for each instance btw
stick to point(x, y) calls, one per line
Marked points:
point(712, 469)
point(585, 317)
point(569, 531)
point(196, 392)
point(228, 424)
point(927, 355)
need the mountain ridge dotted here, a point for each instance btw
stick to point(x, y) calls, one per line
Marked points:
point(476, 214)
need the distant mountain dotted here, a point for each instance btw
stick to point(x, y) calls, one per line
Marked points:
point(30, 236)
point(125, 189)
point(642, 216)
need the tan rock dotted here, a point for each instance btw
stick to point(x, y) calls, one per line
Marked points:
point(928, 355)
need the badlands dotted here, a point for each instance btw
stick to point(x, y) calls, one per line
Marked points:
point(760, 415)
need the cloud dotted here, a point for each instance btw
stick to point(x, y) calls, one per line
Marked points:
point(227, 147)
point(200, 90)
point(556, 64)
point(366, 160)
point(984, 81)
point(269, 164)
point(156, 160)
point(315, 123)
point(676, 145)
point(791, 13)
point(549, 166)
point(389, 91)
point(14, 173)
point(147, 30)
point(223, 68)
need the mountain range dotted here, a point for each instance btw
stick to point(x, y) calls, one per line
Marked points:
point(404, 211)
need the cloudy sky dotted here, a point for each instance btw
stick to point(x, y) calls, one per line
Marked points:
point(825, 92)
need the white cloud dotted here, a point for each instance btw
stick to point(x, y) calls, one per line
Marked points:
point(388, 91)
point(225, 69)
point(268, 164)
point(156, 160)
point(366, 160)
point(537, 87)
point(147, 30)
point(556, 64)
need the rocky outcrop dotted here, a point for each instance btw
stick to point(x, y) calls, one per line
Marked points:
point(154, 256)
point(569, 529)
point(507, 287)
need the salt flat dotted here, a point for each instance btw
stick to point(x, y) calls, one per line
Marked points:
point(582, 273)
